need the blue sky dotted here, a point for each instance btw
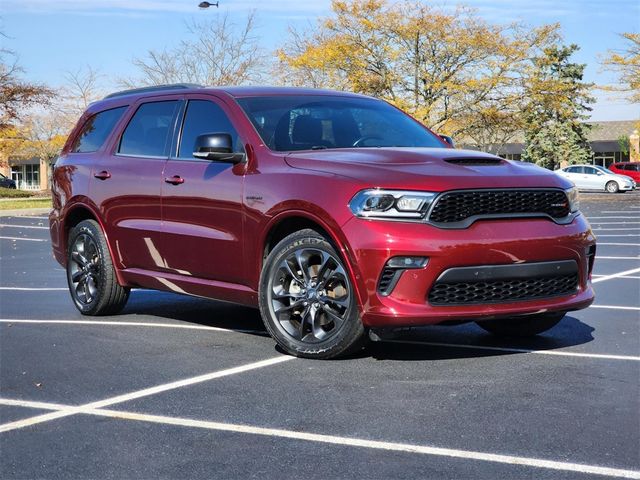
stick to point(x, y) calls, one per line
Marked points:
point(55, 36)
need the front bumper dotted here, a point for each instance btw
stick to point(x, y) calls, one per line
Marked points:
point(372, 243)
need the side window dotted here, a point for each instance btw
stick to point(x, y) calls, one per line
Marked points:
point(201, 117)
point(96, 130)
point(631, 168)
point(149, 129)
point(590, 171)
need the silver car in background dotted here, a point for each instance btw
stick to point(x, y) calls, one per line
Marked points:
point(594, 177)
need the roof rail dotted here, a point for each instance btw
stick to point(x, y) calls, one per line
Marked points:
point(154, 88)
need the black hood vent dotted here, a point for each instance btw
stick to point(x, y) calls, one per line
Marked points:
point(474, 161)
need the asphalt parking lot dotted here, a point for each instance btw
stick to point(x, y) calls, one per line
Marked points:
point(181, 387)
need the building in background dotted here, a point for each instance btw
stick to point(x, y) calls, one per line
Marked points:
point(610, 141)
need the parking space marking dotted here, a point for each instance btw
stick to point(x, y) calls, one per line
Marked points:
point(598, 257)
point(616, 211)
point(615, 307)
point(616, 223)
point(26, 239)
point(348, 441)
point(616, 275)
point(610, 217)
point(27, 216)
point(72, 410)
point(616, 235)
point(614, 229)
point(632, 277)
point(560, 353)
point(34, 289)
point(131, 324)
point(620, 244)
point(23, 226)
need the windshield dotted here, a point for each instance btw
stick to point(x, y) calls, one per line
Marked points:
point(602, 169)
point(308, 122)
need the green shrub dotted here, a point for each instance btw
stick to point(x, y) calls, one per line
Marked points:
point(14, 193)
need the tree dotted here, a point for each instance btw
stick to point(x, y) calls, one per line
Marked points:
point(558, 104)
point(453, 71)
point(218, 53)
point(626, 63)
point(16, 94)
point(16, 97)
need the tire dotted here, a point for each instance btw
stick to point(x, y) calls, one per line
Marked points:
point(307, 300)
point(522, 326)
point(91, 277)
point(612, 187)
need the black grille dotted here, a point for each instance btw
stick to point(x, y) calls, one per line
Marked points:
point(386, 280)
point(455, 207)
point(505, 290)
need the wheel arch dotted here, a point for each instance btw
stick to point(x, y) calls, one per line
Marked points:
point(292, 221)
point(77, 213)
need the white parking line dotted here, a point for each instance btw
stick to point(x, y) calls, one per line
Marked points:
point(620, 244)
point(616, 275)
point(598, 257)
point(617, 211)
point(341, 441)
point(34, 289)
point(616, 223)
point(129, 324)
point(28, 216)
point(626, 276)
point(627, 235)
point(23, 226)
point(72, 410)
point(559, 353)
point(615, 229)
point(615, 307)
point(25, 239)
point(609, 217)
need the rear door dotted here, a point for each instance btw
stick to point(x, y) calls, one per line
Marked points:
point(127, 183)
point(202, 200)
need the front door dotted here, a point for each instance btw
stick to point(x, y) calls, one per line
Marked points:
point(202, 201)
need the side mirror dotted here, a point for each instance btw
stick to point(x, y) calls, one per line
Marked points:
point(216, 147)
point(448, 139)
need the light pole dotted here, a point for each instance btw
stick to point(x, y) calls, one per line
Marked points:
point(207, 4)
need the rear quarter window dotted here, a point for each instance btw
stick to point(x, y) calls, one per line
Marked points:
point(96, 130)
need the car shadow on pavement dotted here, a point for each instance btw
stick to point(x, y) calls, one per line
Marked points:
point(436, 342)
point(200, 311)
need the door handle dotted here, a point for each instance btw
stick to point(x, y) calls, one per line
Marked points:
point(103, 175)
point(175, 180)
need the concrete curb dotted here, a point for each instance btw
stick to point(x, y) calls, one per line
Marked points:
point(24, 212)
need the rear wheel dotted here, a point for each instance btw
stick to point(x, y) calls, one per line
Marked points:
point(307, 301)
point(612, 187)
point(522, 326)
point(90, 273)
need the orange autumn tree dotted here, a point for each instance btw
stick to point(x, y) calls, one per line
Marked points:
point(452, 70)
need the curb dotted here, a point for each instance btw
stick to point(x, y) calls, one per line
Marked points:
point(24, 212)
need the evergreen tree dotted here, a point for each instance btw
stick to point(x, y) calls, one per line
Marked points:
point(557, 104)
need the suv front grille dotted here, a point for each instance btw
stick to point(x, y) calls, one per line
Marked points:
point(461, 206)
point(499, 291)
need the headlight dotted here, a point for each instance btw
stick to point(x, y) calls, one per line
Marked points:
point(574, 200)
point(391, 204)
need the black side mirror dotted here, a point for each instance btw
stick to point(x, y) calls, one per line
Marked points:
point(448, 139)
point(216, 147)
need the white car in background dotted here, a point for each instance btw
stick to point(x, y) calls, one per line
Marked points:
point(594, 177)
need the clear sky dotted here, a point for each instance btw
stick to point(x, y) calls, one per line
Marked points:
point(55, 36)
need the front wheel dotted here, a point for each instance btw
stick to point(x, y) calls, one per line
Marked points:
point(522, 326)
point(612, 187)
point(307, 300)
point(90, 273)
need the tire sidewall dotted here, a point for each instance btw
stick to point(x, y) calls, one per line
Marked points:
point(88, 228)
point(340, 342)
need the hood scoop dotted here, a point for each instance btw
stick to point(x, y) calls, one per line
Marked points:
point(474, 161)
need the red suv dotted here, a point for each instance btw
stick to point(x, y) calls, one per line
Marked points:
point(629, 169)
point(333, 213)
